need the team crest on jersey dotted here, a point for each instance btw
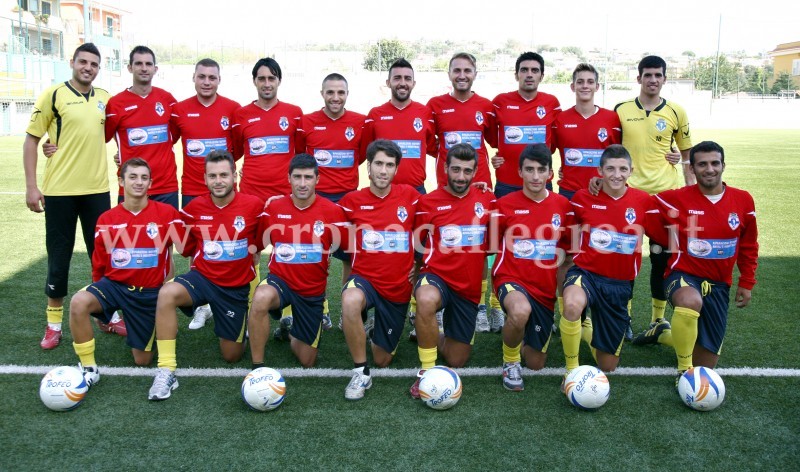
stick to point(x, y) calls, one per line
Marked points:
point(349, 133)
point(556, 220)
point(602, 135)
point(283, 122)
point(417, 124)
point(101, 106)
point(319, 228)
point(159, 109)
point(402, 214)
point(661, 124)
point(479, 209)
point(540, 112)
point(479, 118)
point(151, 230)
point(224, 122)
point(733, 221)
point(630, 216)
point(238, 223)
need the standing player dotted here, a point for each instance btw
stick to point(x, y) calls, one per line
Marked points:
point(138, 120)
point(452, 222)
point(204, 125)
point(223, 235)
point(266, 132)
point(302, 229)
point(612, 224)
point(382, 219)
point(715, 227)
point(133, 247)
point(75, 178)
point(531, 223)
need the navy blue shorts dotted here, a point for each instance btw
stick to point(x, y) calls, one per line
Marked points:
point(185, 199)
point(713, 319)
point(137, 303)
point(460, 314)
point(306, 311)
point(229, 304)
point(608, 301)
point(170, 198)
point(540, 322)
point(390, 317)
point(501, 189)
point(421, 189)
point(568, 194)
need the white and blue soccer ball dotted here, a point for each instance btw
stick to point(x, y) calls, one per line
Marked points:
point(263, 389)
point(702, 389)
point(440, 388)
point(587, 387)
point(63, 388)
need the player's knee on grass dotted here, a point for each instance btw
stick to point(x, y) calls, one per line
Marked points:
point(702, 357)
point(306, 355)
point(380, 357)
point(231, 351)
point(455, 353)
point(142, 358)
point(607, 362)
point(534, 359)
point(688, 297)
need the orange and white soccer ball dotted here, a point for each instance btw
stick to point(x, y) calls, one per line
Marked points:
point(587, 387)
point(263, 389)
point(702, 389)
point(440, 388)
point(63, 388)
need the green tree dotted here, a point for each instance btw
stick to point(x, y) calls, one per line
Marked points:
point(380, 56)
point(783, 82)
point(727, 78)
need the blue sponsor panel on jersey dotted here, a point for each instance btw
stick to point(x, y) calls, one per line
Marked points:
point(384, 241)
point(136, 258)
point(225, 250)
point(298, 253)
point(712, 248)
point(148, 135)
point(610, 241)
point(203, 147)
point(524, 134)
point(335, 158)
point(462, 235)
point(409, 147)
point(268, 145)
point(473, 138)
point(534, 249)
point(582, 157)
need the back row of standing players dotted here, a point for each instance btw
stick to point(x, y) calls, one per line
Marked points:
point(146, 121)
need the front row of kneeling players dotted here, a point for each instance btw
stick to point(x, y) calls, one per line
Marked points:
point(713, 227)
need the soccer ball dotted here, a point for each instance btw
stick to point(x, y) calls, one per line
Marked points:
point(63, 388)
point(440, 388)
point(587, 387)
point(701, 389)
point(263, 389)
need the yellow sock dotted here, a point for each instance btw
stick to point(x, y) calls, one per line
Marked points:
point(659, 307)
point(560, 301)
point(494, 302)
point(287, 311)
point(325, 310)
point(684, 335)
point(484, 286)
point(571, 341)
point(587, 330)
point(630, 308)
point(166, 354)
point(55, 314)
point(253, 286)
point(85, 352)
point(594, 353)
point(427, 357)
point(511, 354)
point(412, 305)
point(665, 338)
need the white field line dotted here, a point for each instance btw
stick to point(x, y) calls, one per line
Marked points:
point(296, 372)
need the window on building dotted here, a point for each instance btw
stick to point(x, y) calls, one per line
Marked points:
point(796, 67)
point(109, 26)
point(46, 8)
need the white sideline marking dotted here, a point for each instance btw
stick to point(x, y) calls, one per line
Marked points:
point(295, 372)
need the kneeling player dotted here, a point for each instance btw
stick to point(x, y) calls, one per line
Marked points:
point(223, 233)
point(132, 255)
point(531, 223)
point(302, 230)
point(382, 221)
point(612, 223)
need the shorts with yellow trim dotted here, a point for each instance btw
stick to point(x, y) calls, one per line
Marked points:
point(137, 303)
point(713, 321)
point(539, 327)
point(607, 299)
point(229, 304)
point(306, 311)
point(460, 314)
point(390, 317)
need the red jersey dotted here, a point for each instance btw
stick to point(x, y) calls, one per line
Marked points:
point(611, 231)
point(136, 249)
point(202, 129)
point(268, 139)
point(530, 233)
point(518, 123)
point(410, 128)
point(381, 244)
point(141, 128)
point(336, 145)
point(222, 241)
point(453, 230)
point(457, 122)
point(302, 240)
point(712, 236)
point(581, 141)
